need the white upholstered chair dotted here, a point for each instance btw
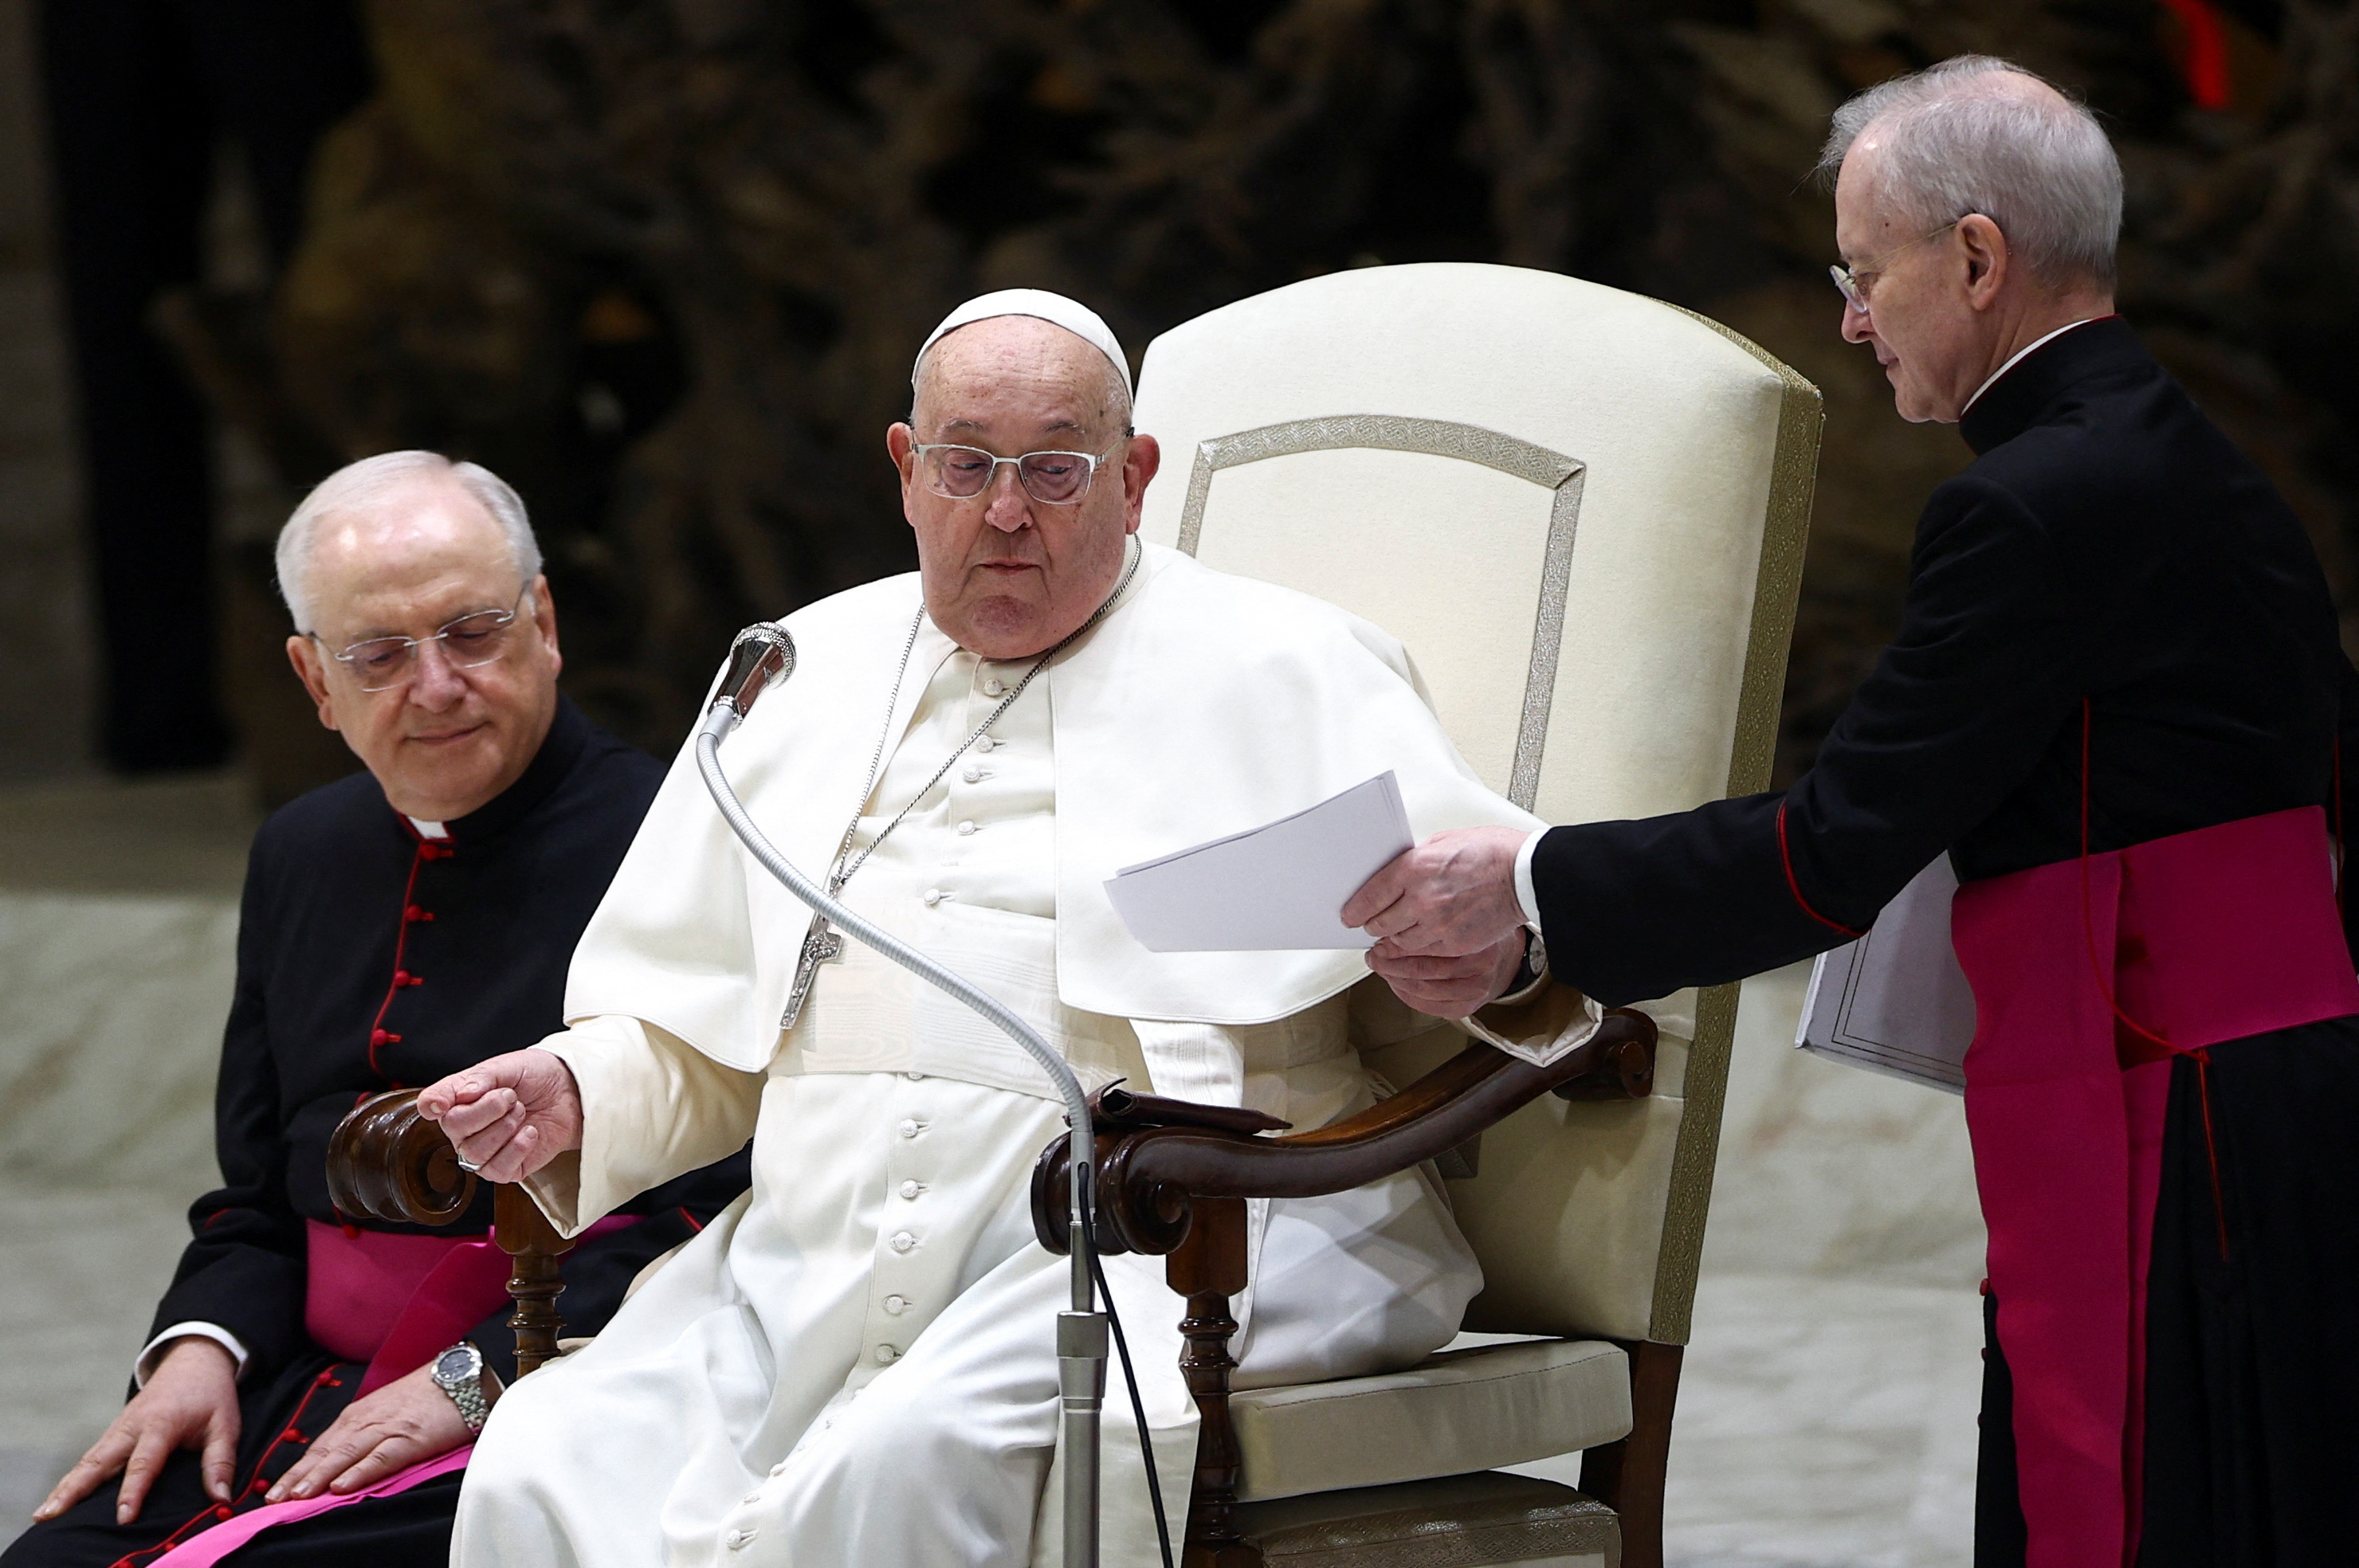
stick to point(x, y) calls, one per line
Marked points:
point(1583, 511)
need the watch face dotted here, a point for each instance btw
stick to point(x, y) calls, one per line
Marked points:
point(455, 1365)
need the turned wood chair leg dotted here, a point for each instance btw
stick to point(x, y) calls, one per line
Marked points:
point(1208, 1268)
point(1627, 1477)
point(525, 1234)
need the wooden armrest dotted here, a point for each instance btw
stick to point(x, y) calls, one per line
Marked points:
point(385, 1162)
point(1149, 1178)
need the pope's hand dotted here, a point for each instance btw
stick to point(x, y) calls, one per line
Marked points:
point(406, 1423)
point(1449, 988)
point(1451, 897)
point(509, 1116)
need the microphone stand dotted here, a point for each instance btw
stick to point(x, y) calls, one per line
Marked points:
point(763, 656)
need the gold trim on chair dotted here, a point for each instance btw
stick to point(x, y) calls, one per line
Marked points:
point(1785, 531)
point(1440, 439)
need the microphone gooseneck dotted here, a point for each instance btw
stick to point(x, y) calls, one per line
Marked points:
point(763, 654)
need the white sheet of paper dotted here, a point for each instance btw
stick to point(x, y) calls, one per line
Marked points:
point(1897, 1002)
point(1283, 886)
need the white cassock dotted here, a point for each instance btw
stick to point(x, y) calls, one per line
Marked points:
point(856, 1363)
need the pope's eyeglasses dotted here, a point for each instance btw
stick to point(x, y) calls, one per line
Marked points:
point(1856, 282)
point(961, 473)
point(381, 664)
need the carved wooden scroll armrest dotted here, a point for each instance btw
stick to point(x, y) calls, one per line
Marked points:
point(1149, 1174)
point(1173, 1178)
point(385, 1162)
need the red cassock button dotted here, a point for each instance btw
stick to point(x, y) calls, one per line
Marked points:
point(384, 1037)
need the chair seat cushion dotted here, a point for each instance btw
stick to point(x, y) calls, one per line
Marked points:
point(1464, 1521)
point(1460, 1410)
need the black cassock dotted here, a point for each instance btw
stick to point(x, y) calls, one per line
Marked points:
point(370, 958)
point(2109, 560)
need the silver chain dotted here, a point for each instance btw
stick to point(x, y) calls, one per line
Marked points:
point(841, 871)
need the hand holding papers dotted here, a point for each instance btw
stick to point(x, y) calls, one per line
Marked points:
point(1282, 886)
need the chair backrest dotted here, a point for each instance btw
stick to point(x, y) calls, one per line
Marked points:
point(1583, 511)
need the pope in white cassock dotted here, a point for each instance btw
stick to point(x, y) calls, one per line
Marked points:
point(856, 1364)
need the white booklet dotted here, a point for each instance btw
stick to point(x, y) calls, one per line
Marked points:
point(1280, 886)
point(1895, 1002)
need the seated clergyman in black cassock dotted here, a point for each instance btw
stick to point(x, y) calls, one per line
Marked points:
point(397, 925)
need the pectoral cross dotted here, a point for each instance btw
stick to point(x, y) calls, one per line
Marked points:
point(821, 946)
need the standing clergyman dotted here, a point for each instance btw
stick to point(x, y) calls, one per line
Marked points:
point(2115, 701)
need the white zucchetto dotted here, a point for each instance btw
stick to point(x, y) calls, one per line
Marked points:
point(1070, 314)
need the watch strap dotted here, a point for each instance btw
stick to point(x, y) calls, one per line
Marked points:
point(466, 1392)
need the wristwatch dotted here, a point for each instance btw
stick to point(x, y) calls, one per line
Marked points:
point(459, 1372)
point(1528, 974)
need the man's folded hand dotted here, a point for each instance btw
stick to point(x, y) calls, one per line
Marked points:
point(509, 1116)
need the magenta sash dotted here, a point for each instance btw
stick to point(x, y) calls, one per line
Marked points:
point(2088, 976)
point(391, 1301)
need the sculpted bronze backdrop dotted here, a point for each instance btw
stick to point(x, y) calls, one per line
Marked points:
point(662, 262)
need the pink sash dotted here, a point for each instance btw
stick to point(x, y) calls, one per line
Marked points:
point(2197, 939)
point(391, 1301)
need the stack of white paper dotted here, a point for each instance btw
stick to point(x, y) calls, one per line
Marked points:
point(1895, 1002)
point(1276, 887)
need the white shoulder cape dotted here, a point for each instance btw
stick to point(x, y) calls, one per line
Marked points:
point(1205, 704)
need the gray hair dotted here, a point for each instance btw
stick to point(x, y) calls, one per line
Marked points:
point(357, 487)
point(1962, 137)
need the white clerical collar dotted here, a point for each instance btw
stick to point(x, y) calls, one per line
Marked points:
point(429, 829)
point(2019, 356)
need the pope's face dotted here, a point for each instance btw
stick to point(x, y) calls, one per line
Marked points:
point(450, 737)
point(1007, 575)
point(1926, 334)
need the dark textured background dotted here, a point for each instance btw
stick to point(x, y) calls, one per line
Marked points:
point(662, 262)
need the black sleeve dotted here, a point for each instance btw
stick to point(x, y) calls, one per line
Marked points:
point(597, 1272)
point(2342, 811)
point(245, 1268)
point(1988, 663)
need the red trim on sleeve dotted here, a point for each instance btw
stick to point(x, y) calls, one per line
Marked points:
point(1785, 859)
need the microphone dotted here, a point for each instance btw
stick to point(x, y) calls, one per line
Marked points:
point(763, 656)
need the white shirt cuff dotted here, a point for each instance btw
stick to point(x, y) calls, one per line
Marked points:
point(144, 1368)
point(1524, 894)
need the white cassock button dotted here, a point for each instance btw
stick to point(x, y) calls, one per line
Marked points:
point(738, 1539)
point(986, 744)
point(972, 775)
point(966, 829)
point(993, 689)
point(903, 1242)
point(896, 1305)
point(912, 1127)
point(915, 1078)
point(911, 1189)
point(933, 897)
point(885, 1353)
